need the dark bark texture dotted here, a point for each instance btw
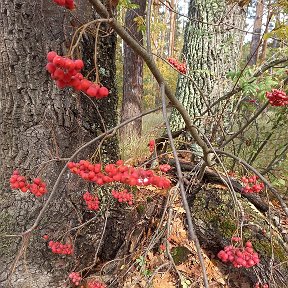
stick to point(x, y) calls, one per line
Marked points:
point(211, 49)
point(133, 75)
point(38, 125)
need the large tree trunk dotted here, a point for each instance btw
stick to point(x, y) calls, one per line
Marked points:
point(255, 42)
point(39, 125)
point(133, 75)
point(211, 49)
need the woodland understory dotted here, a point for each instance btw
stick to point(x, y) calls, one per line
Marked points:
point(88, 199)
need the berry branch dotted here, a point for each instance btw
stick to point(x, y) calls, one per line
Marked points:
point(261, 177)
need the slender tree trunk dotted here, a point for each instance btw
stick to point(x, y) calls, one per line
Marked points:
point(211, 49)
point(133, 75)
point(39, 125)
point(255, 42)
point(172, 28)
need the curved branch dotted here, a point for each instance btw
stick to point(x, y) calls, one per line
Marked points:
point(101, 10)
point(55, 187)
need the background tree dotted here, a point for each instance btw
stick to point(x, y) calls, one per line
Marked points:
point(211, 49)
point(256, 37)
point(133, 73)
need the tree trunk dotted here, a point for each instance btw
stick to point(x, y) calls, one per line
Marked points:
point(39, 125)
point(256, 38)
point(133, 75)
point(172, 29)
point(211, 49)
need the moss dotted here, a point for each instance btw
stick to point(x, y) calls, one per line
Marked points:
point(6, 243)
point(263, 246)
point(141, 209)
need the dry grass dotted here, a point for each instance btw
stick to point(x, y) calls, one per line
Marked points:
point(137, 148)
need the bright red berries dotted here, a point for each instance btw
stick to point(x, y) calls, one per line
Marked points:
point(92, 201)
point(165, 167)
point(103, 92)
point(277, 97)
point(181, 67)
point(75, 278)
point(66, 73)
point(69, 4)
point(117, 173)
point(151, 145)
point(123, 196)
point(59, 248)
point(239, 257)
point(252, 185)
point(95, 284)
point(258, 285)
point(37, 187)
point(18, 181)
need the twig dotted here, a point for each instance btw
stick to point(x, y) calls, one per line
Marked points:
point(191, 229)
point(258, 73)
point(101, 10)
point(258, 112)
point(263, 179)
point(54, 190)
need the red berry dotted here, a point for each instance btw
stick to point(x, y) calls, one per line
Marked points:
point(78, 64)
point(92, 91)
point(103, 92)
point(51, 55)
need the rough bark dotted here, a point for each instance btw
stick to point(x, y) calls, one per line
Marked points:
point(211, 49)
point(133, 75)
point(255, 42)
point(38, 123)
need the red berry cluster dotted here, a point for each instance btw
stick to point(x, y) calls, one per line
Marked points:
point(66, 72)
point(151, 145)
point(59, 248)
point(92, 201)
point(38, 187)
point(117, 173)
point(123, 196)
point(258, 285)
point(240, 257)
point(181, 67)
point(165, 167)
point(17, 181)
point(75, 278)
point(252, 185)
point(277, 97)
point(69, 4)
point(95, 284)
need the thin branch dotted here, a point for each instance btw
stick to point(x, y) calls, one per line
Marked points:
point(101, 10)
point(258, 73)
point(191, 229)
point(261, 177)
point(254, 117)
point(55, 187)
